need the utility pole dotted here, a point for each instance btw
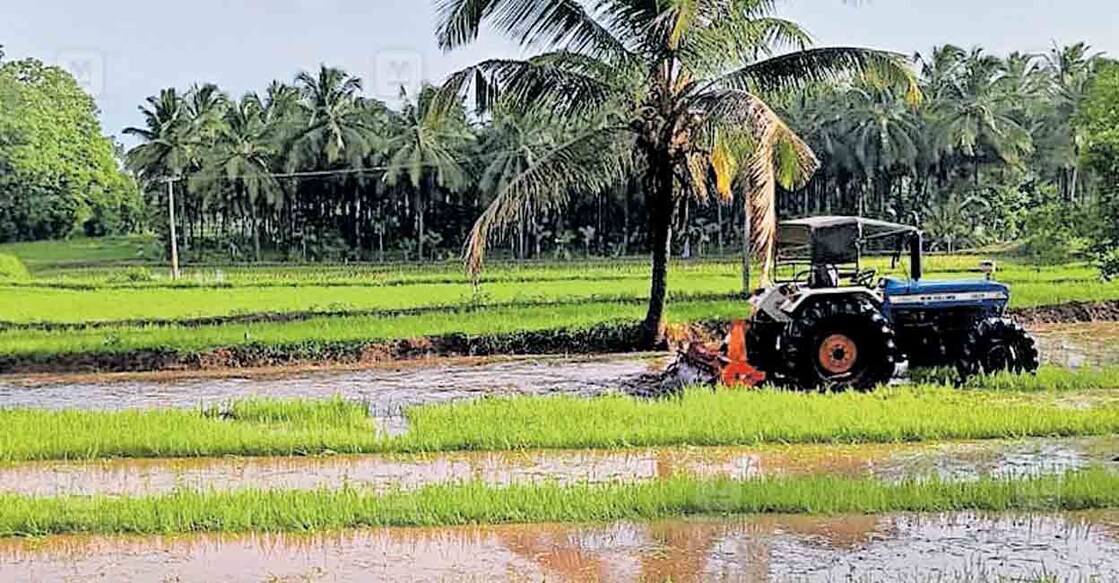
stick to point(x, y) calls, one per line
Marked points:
point(174, 238)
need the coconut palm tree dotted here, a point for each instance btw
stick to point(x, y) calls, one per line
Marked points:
point(336, 125)
point(975, 116)
point(681, 82)
point(241, 161)
point(513, 144)
point(1071, 69)
point(886, 137)
point(166, 138)
point(424, 151)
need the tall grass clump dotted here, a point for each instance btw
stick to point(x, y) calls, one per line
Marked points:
point(476, 503)
point(12, 269)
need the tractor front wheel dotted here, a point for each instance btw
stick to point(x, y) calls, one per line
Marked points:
point(839, 344)
point(998, 345)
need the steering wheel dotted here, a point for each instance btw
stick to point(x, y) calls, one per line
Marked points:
point(865, 277)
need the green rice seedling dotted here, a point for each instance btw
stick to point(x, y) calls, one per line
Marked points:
point(251, 428)
point(703, 417)
point(21, 304)
point(1048, 378)
point(265, 427)
point(44, 344)
point(476, 503)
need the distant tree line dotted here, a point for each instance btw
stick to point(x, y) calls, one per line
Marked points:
point(312, 170)
point(1018, 149)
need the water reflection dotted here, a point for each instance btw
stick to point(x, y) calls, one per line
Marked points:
point(902, 547)
point(891, 462)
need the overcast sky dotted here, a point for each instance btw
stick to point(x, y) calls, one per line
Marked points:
point(125, 50)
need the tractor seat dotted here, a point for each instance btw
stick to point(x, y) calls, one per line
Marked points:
point(823, 277)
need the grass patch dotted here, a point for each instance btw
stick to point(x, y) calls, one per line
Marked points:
point(83, 250)
point(474, 503)
point(12, 269)
point(700, 417)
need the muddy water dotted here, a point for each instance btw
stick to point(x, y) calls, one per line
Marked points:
point(953, 461)
point(388, 390)
point(1079, 345)
point(1077, 547)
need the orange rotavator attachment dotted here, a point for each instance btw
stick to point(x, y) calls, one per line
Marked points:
point(738, 372)
point(729, 369)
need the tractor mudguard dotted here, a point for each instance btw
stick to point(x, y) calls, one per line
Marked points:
point(807, 297)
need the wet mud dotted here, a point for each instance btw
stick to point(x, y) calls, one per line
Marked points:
point(387, 390)
point(1090, 344)
point(890, 462)
point(1077, 546)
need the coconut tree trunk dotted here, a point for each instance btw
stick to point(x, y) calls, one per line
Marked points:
point(747, 248)
point(658, 187)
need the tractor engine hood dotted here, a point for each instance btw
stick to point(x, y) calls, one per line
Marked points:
point(928, 294)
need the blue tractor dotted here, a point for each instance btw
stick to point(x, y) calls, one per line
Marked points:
point(829, 323)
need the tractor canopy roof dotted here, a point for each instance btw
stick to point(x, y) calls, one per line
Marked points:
point(838, 239)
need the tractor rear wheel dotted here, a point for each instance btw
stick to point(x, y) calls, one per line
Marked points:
point(839, 344)
point(998, 345)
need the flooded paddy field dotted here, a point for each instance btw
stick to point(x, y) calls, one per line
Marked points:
point(907, 547)
point(389, 390)
point(890, 462)
point(1078, 345)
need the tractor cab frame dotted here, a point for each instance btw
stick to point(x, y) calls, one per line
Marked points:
point(822, 251)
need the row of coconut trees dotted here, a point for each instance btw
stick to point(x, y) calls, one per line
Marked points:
point(634, 121)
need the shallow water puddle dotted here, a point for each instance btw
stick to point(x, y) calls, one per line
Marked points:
point(1078, 345)
point(954, 461)
point(1074, 546)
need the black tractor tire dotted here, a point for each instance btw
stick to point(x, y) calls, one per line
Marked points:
point(762, 337)
point(839, 343)
point(997, 345)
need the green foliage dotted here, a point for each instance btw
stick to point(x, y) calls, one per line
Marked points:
point(58, 174)
point(1100, 120)
point(131, 275)
point(477, 503)
point(1108, 262)
point(1054, 233)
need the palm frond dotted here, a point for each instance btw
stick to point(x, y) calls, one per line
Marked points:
point(549, 23)
point(589, 162)
point(797, 69)
point(559, 84)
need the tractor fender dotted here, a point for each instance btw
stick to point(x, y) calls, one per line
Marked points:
point(808, 297)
